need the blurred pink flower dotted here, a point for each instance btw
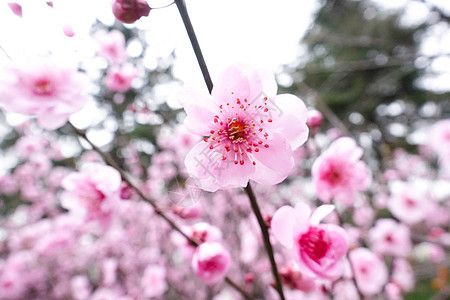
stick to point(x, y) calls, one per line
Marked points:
point(44, 88)
point(293, 278)
point(339, 173)
point(211, 262)
point(251, 132)
point(153, 281)
point(129, 11)
point(319, 248)
point(119, 79)
point(439, 140)
point(369, 270)
point(390, 238)
point(403, 275)
point(409, 203)
point(112, 46)
point(15, 8)
point(92, 193)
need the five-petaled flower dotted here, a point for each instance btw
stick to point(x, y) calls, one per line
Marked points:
point(319, 248)
point(250, 132)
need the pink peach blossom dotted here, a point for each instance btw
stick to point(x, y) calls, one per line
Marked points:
point(44, 88)
point(211, 262)
point(292, 277)
point(370, 272)
point(319, 248)
point(119, 79)
point(154, 281)
point(338, 173)
point(250, 131)
point(92, 193)
point(112, 46)
point(390, 237)
point(410, 203)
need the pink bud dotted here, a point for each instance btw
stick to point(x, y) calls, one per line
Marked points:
point(68, 30)
point(314, 118)
point(129, 11)
point(211, 262)
point(50, 3)
point(16, 9)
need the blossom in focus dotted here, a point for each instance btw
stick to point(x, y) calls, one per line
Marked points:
point(119, 79)
point(390, 238)
point(92, 193)
point(370, 272)
point(319, 248)
point(44, 88)
point(211, 262)
point(250, 131)
point(112, 46)
point(339, 173)
point(129, 11)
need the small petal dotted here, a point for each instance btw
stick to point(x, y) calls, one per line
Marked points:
point(320, 213)
point(282, 225)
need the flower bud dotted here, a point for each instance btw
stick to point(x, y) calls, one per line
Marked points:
point(314, 118)
point(129, 11)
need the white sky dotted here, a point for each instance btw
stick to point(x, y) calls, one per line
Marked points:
point(265, 33)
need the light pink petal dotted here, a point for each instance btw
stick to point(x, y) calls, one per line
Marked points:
point(302, 215)
point(320, 213)
point(212, 172)
point(231, 85)
point(262, 82)
point(289, 116)
point(282, 225)
point(200, 110)
point(51, 121)
point(278, 156)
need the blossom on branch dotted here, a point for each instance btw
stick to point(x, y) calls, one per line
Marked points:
point(319, 248)
point(250, 131)
point(46, 88)
point(339, 173)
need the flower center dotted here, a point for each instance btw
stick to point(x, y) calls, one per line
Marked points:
point(315, 243)
point(42, 87)
point(239, 129)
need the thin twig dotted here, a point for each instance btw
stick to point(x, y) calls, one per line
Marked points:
point(266, 239)
point(110, 161)
point(198, 53)
point(192, 37)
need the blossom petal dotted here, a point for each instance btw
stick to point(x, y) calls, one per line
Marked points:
point(282, 225)
point(289, 116)
point(232, 84)
point(212, 172)
point(200, 110)
point(320, 213)
point(302, 215)
point(277, 156)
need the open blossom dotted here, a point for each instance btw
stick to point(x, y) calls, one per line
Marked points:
point(112, 46)
point(369, 270)
point(43, 88)
point(211, 262)
point(250, 131)
point(319, 248)
point(153, 281)
point(390, 238)
point(92, 193)
point(119, 79)
point(409, 202)
point(339, 173)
